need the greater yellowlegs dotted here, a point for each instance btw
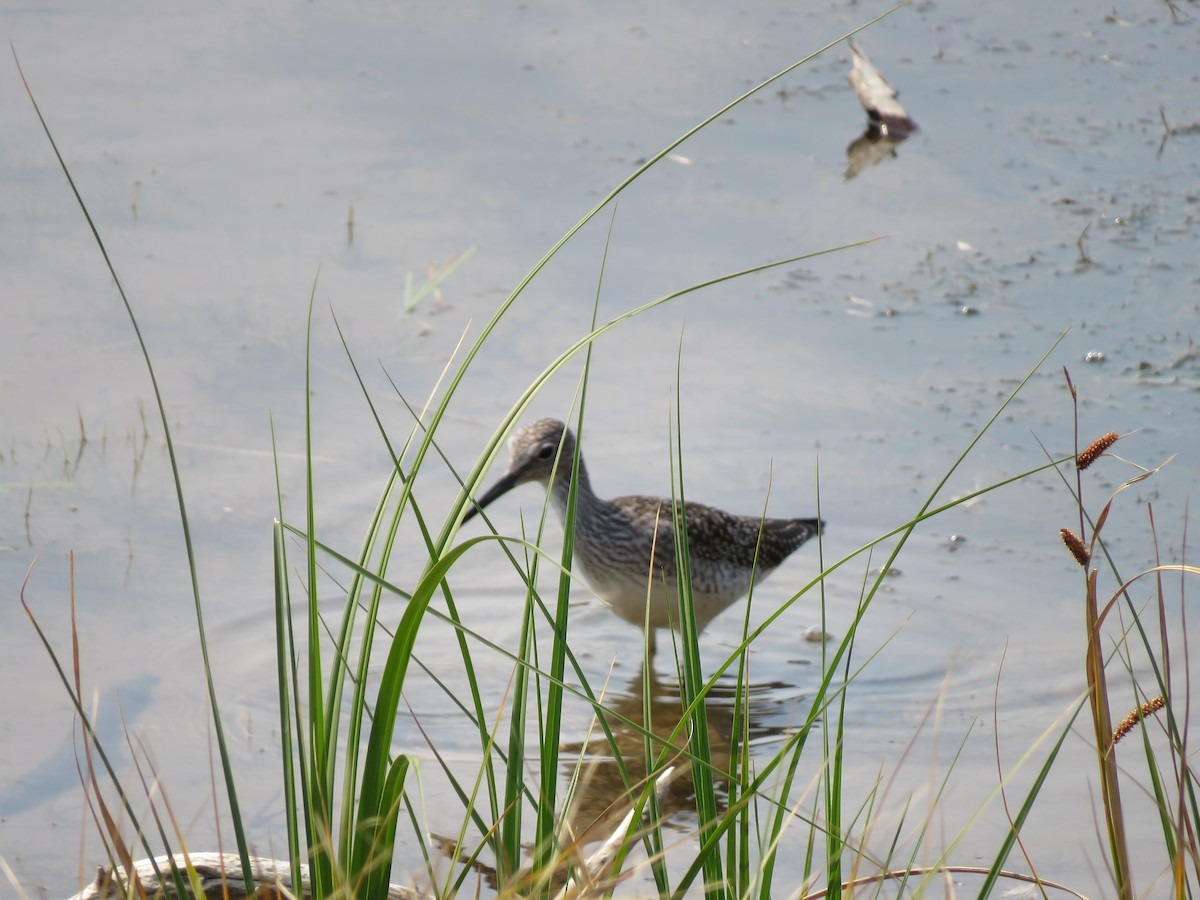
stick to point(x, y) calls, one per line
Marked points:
point(625, 547)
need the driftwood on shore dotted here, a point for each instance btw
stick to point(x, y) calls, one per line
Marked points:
point(220, 876)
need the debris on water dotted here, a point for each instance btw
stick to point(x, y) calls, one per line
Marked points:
point(814, 634)
point(1093, 356)
point(888, 124)
point(968, 311)
point(865, 308)
point(954, 541)
point(1170, 131)
point(1190, 356)
point(878, 97)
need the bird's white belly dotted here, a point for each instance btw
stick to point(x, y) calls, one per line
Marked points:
point(629, 595)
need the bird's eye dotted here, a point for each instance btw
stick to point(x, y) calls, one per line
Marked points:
point(546, 451)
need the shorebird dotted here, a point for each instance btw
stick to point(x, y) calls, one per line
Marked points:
point(625, 547)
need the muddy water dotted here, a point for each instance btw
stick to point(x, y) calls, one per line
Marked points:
point(235, 158)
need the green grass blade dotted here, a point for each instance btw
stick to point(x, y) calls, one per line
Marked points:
point(286, 664)
point(380, 865)
point(546, 848)
point(376, 766)
point(693, 689)
point(1027, 806)
point(508, 855)
point(322, 756)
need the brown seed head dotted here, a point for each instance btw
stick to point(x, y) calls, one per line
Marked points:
point(1090, 454)
point(1075, 545)
point(1146, 709)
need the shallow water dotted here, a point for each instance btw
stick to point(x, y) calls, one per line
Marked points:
point(221, 153)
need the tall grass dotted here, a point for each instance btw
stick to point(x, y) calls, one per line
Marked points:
point(1172, 783)
point(342, 681)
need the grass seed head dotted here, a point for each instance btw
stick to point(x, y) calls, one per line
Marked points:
point(1146, 709)
point(1090, 454)
point(1075, 545)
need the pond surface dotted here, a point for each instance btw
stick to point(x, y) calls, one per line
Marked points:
point(240, 158)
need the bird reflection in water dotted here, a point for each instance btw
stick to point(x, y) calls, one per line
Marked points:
point(610, 776)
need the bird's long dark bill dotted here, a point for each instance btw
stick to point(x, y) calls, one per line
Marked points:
point(501, 487)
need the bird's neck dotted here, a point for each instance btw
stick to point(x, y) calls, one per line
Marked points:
point(586, 498)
